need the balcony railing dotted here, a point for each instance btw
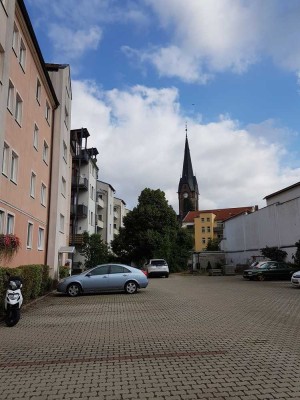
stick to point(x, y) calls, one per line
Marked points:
point(81, 183)
point(81, 211)
point(100, 203)
point(100, 224)
point(76, 240)
point(82, 156)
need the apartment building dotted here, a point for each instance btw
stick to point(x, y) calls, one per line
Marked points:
point(27, 105)
point(106, 216)
point(120, 212)
point(208, 224)
point(58, 251)
point(83, 211)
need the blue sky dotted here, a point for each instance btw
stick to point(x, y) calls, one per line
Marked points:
point(142, 69)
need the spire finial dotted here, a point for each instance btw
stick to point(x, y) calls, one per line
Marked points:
point(186, 129)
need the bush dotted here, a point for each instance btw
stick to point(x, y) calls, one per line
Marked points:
point(64, 272)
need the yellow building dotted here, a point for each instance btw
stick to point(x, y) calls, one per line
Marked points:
point(208, 224)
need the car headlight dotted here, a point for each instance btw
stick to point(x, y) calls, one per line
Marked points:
point(13, 296)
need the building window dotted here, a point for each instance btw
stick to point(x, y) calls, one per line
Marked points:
point(22, 55)
point(63, 186)
point(41, 237)
point(5, 159)
point(65, 151)
point(15, 43)
point(46, 152)
point(207, 219)
point(202, 219)
point(38, 91)
point(1, 62)
point(36, 137)
point(66, 118)
point(92, 193)
point(32, 184)
point(10, 224)
point(19, 109)
point(203, 241)
point(29, 235)
point(61, 223)
point(203, 229)
point(92, 218)
point(43, 195)
point(47, 112)
point(10, 97)
point(2, 216)
point(14, 167)
point(208, 229)
point(4, 3)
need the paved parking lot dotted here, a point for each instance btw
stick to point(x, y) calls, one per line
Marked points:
point(186, 337)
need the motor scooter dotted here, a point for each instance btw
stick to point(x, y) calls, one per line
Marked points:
point(13, 300)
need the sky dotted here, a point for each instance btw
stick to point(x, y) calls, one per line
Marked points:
point(144, 70)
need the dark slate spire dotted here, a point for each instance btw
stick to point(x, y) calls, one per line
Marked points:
point(187, 169)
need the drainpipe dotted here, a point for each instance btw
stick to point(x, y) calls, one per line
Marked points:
point(50, 185)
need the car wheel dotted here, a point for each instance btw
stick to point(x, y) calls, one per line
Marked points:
point(261, 277)
point(73, 290)
point(167, 275)
point(130, 287)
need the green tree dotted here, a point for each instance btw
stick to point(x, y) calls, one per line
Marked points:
point(94, 250)
point(213, 245)
point(274, 253)
point(151, 230)
point(297, 254)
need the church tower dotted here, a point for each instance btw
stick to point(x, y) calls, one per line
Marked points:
point(188, 193)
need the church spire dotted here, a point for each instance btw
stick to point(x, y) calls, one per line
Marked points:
point(188, 186)
point(187, 169)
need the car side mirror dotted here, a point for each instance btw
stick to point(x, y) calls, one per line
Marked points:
point(88, 274)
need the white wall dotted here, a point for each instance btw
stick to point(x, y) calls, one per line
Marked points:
point(275, 225)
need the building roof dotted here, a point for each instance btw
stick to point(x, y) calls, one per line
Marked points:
point(282, 190)
point(221, 214)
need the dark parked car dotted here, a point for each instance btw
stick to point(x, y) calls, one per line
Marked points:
point(269, 270)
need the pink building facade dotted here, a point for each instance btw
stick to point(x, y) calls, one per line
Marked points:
point(28, 102)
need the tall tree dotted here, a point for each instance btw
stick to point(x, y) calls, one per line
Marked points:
point(151, 230)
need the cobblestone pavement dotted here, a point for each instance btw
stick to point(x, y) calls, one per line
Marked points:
point(186, 337)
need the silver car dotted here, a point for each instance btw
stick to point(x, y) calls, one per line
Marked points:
point(104, 278)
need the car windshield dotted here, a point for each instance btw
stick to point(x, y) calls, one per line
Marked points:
point(158, 262)
point(264, 266)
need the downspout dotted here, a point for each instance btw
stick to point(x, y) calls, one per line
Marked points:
point(50, 186)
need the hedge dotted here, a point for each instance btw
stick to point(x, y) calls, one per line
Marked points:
point(36, 282)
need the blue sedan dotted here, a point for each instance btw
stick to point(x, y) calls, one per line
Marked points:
point(104, 278)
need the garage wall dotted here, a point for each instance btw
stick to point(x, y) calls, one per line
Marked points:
point(275, 225)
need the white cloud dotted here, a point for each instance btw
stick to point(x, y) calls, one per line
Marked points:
point(140, 136)
point(71, 44)
point(224, 35)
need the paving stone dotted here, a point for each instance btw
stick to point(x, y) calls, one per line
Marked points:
point(186, 337)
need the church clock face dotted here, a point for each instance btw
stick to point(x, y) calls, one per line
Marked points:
point(185, 195)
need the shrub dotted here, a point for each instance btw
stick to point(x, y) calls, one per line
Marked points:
point(64, 272)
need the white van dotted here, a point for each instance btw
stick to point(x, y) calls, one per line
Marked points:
point(157, 267)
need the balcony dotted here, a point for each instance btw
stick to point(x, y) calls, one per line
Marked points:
point(81, 183)
point(81, 211)
point(218, 229)
point(100, 224)
point(76, 240)
point(100, 203)
point(82, 156)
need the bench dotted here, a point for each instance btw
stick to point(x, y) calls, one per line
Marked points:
point(215, 271)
